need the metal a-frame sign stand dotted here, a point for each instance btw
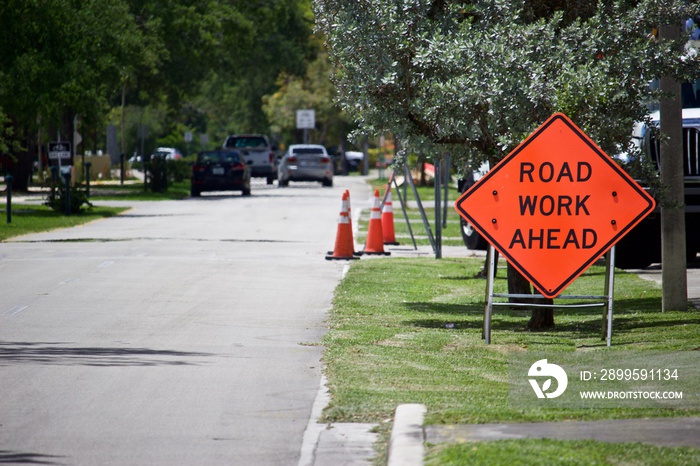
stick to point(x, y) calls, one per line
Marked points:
point(402, 201)
point(408, 180)
point(552, 207)
point(442, 170)
point(606, 297)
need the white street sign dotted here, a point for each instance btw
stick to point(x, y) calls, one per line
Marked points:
point(306, 119)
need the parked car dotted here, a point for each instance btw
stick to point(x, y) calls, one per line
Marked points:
point(170, 153)
point(258, 153)
point(220, 170)
point(306, 162)
point(353, 160)
point(641, 246)
point(471, 238)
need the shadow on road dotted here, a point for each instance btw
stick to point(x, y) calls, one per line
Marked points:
point(12, 457)
point(62, 354)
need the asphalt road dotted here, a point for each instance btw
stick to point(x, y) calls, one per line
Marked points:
point(178, 333)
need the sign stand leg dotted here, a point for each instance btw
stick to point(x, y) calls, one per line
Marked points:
point(609, 292)
point(402, 201)
point(438, 221)
point(490, 278)
point(446, 185)
point(426, 223)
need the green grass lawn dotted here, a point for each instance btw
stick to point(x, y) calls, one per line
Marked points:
point(389, 343)
point(136, 192)
point(451, 234)
point(559, 452)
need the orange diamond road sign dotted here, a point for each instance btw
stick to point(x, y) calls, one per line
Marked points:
point(554, 205)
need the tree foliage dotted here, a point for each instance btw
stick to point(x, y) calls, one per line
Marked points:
point(61, 59)
point(270, 38)
point(204, 65)
point(314, 91)
point(60, 55)
point(474, 78)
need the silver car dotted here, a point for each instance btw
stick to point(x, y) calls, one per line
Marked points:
point(306, 162)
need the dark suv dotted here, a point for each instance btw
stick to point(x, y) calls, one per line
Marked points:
point(220, 170)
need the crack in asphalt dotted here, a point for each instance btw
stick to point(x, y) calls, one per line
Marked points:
point(145, 238)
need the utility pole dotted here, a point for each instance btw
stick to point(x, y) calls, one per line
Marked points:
point(673, 248)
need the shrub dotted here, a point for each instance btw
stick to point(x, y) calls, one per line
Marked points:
point(178, 170)
point(78, 200)
point(158, 170)
point(162, 172)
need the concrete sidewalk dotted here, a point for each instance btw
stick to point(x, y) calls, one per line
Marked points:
point(407, 444)
point(334, 444)
point(653, 273)
point(668, 432)
point(351, 444)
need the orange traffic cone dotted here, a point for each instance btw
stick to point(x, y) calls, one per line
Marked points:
point(388, 220)
point(344, 247)
point(375, 240)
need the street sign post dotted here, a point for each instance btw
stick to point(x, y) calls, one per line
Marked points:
point(554, 205)
point(306, 120)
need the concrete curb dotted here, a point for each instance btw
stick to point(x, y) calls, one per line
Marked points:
point(407, 436)
point(348, 444)
point(313, 428)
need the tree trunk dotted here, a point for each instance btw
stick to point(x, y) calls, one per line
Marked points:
point(365, 156)
point(541, 319)
point(22, 166)
point(21, 170)
point(673, 240)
